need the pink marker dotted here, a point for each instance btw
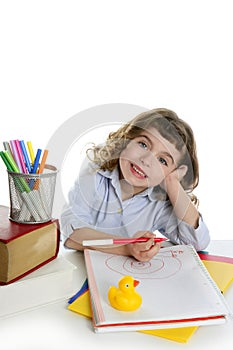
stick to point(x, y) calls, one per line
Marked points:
point(16, 155)
point(21, 157)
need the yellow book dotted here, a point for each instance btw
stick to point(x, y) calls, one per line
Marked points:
point(221, 272)
point(82, 305)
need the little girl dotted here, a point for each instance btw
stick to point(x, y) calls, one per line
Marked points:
point(139, 181)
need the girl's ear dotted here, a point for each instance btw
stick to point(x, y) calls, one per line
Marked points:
point(182, 170)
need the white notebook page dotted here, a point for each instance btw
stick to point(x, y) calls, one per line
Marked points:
point(173, 285)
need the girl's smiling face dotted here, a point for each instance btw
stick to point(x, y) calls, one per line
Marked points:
point(147, 160)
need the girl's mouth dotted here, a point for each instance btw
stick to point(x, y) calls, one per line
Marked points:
point(138, 171)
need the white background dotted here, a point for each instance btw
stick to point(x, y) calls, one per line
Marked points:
point(58, 58)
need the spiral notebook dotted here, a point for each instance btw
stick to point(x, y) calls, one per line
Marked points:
point(176, 289)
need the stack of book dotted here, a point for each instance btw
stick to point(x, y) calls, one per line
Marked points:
point(31, 272)
point(25, 247)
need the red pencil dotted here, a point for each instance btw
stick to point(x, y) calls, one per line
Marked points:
point(120, 241)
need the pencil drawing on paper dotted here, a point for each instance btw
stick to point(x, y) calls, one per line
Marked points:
point(163, 265)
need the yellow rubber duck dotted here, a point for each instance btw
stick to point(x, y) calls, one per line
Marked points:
point(125, 298)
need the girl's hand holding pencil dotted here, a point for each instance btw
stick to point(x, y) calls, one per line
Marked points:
point(142, 246)
point(144, 251)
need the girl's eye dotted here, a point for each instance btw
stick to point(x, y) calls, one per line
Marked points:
point(162, 161)
point(143, 144)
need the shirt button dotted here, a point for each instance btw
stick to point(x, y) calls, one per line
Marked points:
point(119, 210)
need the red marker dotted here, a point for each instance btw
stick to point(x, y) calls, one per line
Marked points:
point(120, 241)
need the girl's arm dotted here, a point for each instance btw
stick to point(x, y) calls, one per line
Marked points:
point(140, 251)
point(183, 207)
point(86, 233)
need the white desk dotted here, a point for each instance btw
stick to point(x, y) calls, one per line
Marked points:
point(54, 327)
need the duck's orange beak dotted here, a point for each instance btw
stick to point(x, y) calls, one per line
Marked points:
point(135, 283)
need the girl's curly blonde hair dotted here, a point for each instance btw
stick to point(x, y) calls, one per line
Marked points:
point(170, 126)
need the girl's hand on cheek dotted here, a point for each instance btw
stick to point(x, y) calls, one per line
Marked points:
point(144, 251)
point(174, 177)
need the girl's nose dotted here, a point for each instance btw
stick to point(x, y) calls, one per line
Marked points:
point(147, 159)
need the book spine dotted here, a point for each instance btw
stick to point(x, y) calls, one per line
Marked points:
point(98, 314)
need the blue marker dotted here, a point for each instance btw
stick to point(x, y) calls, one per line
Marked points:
point(36, 161)
point(34, 168)
point(25, 154)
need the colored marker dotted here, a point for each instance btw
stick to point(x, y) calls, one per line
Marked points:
point(16, 155)
point(7, 147)
point(120, 241)
point(41, 168)
point(4, 158)
point(34, 168)
point(27, 196)
point(42, 163)
point(25, 155)
point(22, 183)
point(36, 162)
point(12, 162)
point(31, 151)
point(21, 157)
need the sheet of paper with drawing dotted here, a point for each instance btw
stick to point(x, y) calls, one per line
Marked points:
point(175, 286)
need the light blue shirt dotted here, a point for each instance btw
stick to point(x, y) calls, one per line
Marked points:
point(95, 202)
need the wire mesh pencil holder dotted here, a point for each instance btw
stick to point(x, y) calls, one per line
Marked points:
point(32, 195)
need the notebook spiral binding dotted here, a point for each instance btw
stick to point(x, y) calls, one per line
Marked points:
point(212, 282)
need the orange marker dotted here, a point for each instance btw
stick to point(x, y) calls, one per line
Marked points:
point(42, 163)
point(41, 168)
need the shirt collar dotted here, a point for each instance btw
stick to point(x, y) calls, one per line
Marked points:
point(114, 177)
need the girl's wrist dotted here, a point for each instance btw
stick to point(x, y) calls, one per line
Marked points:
point(171, 185)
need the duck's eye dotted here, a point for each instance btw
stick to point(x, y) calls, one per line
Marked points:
point(127, 285)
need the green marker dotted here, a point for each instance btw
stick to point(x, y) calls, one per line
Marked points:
point(16, 170)
point(6, 161)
